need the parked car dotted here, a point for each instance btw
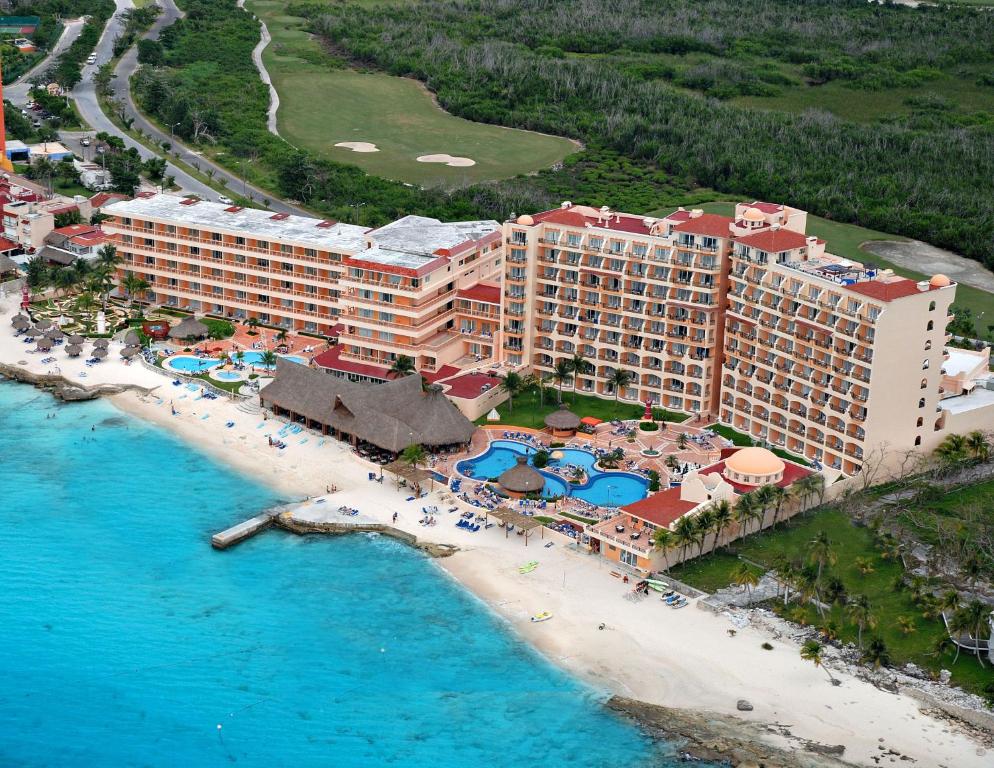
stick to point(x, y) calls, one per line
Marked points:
point(225, 200)
point(91, 59)
point(85, 141)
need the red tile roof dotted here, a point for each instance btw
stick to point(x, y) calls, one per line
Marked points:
point(489, 294)
point(710, 224)
point(774, 240)
point(661, 509)
point(101, 199)
point(330, 359)
point(791, 473)
point(7, 245)
point(765, 207)
point(884, 291)
point(76, 229)
point(470, 385)
point(678, 216)
point(442, 373)
point(621, 222)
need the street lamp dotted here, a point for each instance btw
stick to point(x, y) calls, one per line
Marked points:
point(171, 126)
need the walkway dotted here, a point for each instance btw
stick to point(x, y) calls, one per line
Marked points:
point(274, 98)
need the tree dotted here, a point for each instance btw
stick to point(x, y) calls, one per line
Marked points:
point(253, 324)
point(977, 445)
point(745, 511)
point(820, 552)
point(812, 651)
point(579, 365)
point(64, 279)
point(778, 496)
point(722, 519)
point(860, 615)
point(704, 522)
point(268, 358)
point(662, 540)
point(684, 535)
point(971, 619)
point(876, 653)
point(402, 366)
point(512, 384)
point(562, 372)
point(864, 565)
point(672, 463)
point(906, 624)
point(765, 498)
point(952, 449)
point(682, 440)
point(745, 576)
point(786, 572)
point(414, 455)
point(133, 285)
point(619, 380)
point(107, 258)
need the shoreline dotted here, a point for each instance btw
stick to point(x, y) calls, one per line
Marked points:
point(677, 673)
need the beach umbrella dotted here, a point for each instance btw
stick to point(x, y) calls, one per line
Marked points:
point(44, 344)
point(74, 350)
point(557, 455)
point(44, 324)
point(37, 331)
point(100, 354)
point(129, 352)
point(131, 338)
point(54, 334)
point(20, 319)
point(101, 344)
point(21, 323)
point(76, 339)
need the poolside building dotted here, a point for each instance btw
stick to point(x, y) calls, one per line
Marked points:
point(390, 416)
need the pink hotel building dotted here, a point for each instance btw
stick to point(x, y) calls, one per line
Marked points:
point(746, 320)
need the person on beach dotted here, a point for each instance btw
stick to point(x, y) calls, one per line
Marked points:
point(395, 517)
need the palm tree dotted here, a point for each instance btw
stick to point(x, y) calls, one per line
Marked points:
point(778, 496)
point(281, 335)
point(579, 365)
point(540, 380)
point(906, 624)
point(65, 278)
point(859, 614)
point(684, 534)
point(682, 440)
point(662, 539)
point(971, 619)
point(414, 455)
point(619, 380)
point(745, 511)
point(133, 284)
point(876, 653)
point(561, 373)
point(977, 445)
point(704, 522)
point(672, 462)
point(107, 258)
point(765, 497)
point(722, 519)
point(787, 574)
point(402, 366)
point(253, 324)
point(812, 651)
point(268, 358)
point(744, 576)
point(950, 601)
point(952, 449)
point(864, 565)
point(512, 385)
point(821, 553)
point(804, 488)
point(240, 356)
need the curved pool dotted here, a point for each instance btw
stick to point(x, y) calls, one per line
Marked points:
point(605, 489)
point(251, 357)
point(190, 364)
point(227, 375)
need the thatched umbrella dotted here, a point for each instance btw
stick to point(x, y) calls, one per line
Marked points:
point(37, 331)
point(563, 420)
point(131, 339)
point(54, 334)
point(21, 323)
point(20, 319)
point(129, 352)
point(44, 324)
point(101, 344)
point(74, 350)
point(188, 328)
point(100, 354)
point(76, 339)
point(44, 344)
point(522, 478)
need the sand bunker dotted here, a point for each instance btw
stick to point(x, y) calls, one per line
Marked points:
point(454, 162)
point(358, 146)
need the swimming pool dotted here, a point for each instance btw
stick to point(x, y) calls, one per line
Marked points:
point(190, 364)
point(227, 375)
point(605, 489)
point(255, 358)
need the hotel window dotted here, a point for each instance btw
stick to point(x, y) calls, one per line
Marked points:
point(170, 229)
point(519, 238)
point(126, 221)
point(310, 252)
point(194, 250)
point(921, 403)
point(364, 333)
point(573, 239)
point(286, 248)
point(149, 242)
point(931, 306)
point(311, 288)
point(217, 254)
point(640, 249)
point(366, 314)
point(385, 336)
point(930, 326)
point(216, 237)
point(311, 271)
point(709, 243)
point(263, 263)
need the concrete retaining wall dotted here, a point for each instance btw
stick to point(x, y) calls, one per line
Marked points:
point(983, 720)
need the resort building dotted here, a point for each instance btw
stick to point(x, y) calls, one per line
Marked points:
point(417, 286)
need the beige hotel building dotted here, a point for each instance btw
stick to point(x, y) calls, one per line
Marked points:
point(746, 320)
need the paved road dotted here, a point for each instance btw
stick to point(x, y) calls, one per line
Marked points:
point(17, 92)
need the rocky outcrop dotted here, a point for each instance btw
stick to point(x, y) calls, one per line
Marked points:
point(719, 738)
point(61, 387)
point(303, 527)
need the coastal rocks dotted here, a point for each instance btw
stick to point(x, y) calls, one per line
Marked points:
point(719, 738)
point(303, 527)
point(59, 386)
point(743, 706)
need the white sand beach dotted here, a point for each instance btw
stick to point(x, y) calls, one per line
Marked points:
point(647, 651)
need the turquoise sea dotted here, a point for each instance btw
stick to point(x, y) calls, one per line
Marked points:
point(125, 640)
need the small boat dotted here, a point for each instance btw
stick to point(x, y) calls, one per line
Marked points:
point(681, 603)
point(667, 595)
point(528, 567)
point(659, 586)
point(543, 616)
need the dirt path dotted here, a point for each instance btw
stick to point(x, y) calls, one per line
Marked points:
point(925, 258)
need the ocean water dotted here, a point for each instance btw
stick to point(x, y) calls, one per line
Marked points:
point(125, 640)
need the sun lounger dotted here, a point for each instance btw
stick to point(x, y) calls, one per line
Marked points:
point(205, 416)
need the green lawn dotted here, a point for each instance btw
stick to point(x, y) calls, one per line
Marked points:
point(848, 542)
point(322, 104)
point(69, 189)
point(845, 240)
point(528, 412)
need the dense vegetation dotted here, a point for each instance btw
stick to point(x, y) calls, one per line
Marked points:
point(567, 69)
point(202, 82)
point(50, 12)
point(67, 69)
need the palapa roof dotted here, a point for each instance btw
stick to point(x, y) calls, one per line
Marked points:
point(508, 515)
point(44, 343)
point(100, 353)
point(7, 264)
point(392, 415)
point(76, 339)
point(407, 471)
point(131, 338)
point(564, 418)
point(74, 350)
point(188, 327)
point(101, 344)
point(522, 478)
point(54, 333)
point(130, 351)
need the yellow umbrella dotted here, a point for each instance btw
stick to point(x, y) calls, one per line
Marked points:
point(556, 455)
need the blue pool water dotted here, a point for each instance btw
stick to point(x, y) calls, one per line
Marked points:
point(255, 358)
point(605, 489)
point(190, 364)
point(227, 375)
point(127, 640)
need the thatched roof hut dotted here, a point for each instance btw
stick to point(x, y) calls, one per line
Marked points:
point(54, 334)
point(76, 339)
point(188, 328)
point(522, 478)
point(18, 319)
point(44, 344)
point(21, 323)
point(74, 350)
point(563, 420)
point(391, 416)
point(129, 352)
point(100, 354)
point(132, 339)
point(101, 344)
